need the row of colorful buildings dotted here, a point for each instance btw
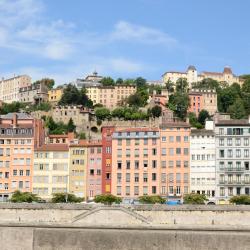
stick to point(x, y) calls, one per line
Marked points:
point(169, 160)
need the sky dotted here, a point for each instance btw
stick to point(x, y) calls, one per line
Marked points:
point(69, 39)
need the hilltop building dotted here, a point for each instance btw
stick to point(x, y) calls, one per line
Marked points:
point(192, 76)
point(90, 80)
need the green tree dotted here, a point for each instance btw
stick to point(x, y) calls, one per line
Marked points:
point(135, 100)
point(140, 82)
point(119, 81)
point(107, 81)
point(71, 126)
point(13, 107)
point(107, 199)
point(156, 111)
point(237, 110)
point(153, 199)
point(47, 81)
point(170, 86)
point(19, 196)
point(65, 197)
point(118, 112)
point(194, 198)
point(181, 85)
point(129, 82)
point(84, 100)
point(102, 113)
point(203, 115)
point(240, 200)
point(194, 121)
point(226, 97)
point(82, 136)
point(70, 95)
point(179, 103)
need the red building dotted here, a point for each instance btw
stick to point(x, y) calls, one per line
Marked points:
point(107, 158)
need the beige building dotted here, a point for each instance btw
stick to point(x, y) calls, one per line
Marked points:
point(9, 88)
point(192, 76)
point(78, 168)
point(110, 96)
point(35, 93)
point(51, 170)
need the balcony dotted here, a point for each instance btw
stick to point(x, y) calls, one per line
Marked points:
point(231, 170)
point(233, 183)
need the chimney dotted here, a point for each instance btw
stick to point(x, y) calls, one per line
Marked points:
point(14, 120)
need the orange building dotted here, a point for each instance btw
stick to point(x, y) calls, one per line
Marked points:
point(135, 162)
point(174, 165)
point(20, 134)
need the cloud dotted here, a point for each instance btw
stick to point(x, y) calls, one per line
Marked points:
point(122, 65)
point(126, 31)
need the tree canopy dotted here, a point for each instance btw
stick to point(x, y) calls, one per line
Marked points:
point(73, 96)
point(66, 197)
point(19, 196)
point(47, 81)
point(107, 81)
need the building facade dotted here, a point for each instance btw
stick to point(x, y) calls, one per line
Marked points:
point(91, 80)
point(20, 134)
point(232, 157)
point(192, 76)
point(110, 96)
point(94, 171)
point(78, 168)
point(203, 99)
point(51, 170)
point(107, 132)
point(9, 88)
point(136, 162)
point(35, 93)
point(175, 163)
point(202, 162)
point(55, 95)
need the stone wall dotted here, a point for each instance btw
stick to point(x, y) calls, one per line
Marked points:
point(81, 226)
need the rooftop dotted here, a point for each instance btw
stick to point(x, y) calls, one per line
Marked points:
point(53, 147)
point(22, 116)
point(233, 122)
point(141, 129)
point(202, 132)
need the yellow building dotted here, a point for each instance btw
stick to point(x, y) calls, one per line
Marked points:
point(78, 152)
point(110, 96)
point(51, 170)
point(55, 94)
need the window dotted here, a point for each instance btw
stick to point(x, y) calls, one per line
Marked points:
point(185, 164)
point(238, 153)
point(171, 189)
point(108, 150)
point(119, 190)
point(128, 152)
point(185, 138)
point(246, 142)
point(237, 141)
point(163, 139)
point(246, 152)
point(127, 164)
point(136, 165)
point(186, 151)
point(145, 190)
point(128, 142)
point(163, 151)
point(21, 172)
point(27, 172)
point(119, 165)
point(178, 177)
point(222, 154)
point(170, 164)
point(153, 189)
point(145, 164)
point(178, 139)
point(178, 190)
point(145, 141)
point(145, 152)
point(154, 151)
point(171, 151)
point(136, 152)
point(153, 176)
point(163, 164)
point(178, 164)
point(119, 153)
point(145, 177)
point(221, 142)
point(154, 164)
point(221, 131)
point(178, 151)
point(127, 177)
point(136, 177)
point(229, 142)
point(136, 190)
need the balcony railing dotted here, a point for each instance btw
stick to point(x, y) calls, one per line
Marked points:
point(230, 169)
point(240, 182)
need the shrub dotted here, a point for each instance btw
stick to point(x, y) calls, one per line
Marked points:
point(19, 196)
point(194, 198)
point(61, 198)
point(153, 199)
point(107, 199)
point(241, 200)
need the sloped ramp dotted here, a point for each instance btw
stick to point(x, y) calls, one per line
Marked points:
point(106, 215)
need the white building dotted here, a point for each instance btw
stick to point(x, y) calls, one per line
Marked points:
point(202, 162)
point(232, 157)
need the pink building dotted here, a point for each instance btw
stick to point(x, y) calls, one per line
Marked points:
point(135, 162)
point(196, 102)
point(174, 156)
point(94, 169)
